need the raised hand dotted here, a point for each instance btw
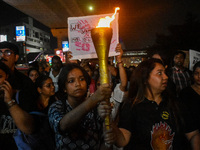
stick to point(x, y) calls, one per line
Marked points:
point(119, 50)
point(8, 92)
point(102, 93)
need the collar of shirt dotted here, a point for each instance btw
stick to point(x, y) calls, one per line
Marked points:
point(164, 101)
point(178, 69)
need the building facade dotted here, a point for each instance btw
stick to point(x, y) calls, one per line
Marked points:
point(37, 38)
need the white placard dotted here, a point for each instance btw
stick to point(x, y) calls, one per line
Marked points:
point(194, 58)
point(80, 41)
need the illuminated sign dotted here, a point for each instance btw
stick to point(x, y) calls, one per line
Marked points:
point(65, 46)
point(60, 54)
point(3, 38)
point(20, 33)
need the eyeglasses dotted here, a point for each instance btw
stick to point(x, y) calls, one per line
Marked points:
point(6, 53)
point(49, 85)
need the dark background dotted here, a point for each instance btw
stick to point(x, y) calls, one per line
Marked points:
point(142, 23)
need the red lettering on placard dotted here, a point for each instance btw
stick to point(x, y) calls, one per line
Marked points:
point(82, 46)
point(84, 28)
point(85, 46)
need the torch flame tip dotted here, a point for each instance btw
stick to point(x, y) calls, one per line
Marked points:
point(105, 22)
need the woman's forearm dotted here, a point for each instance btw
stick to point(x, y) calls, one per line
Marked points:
point(122, 136)
point(73, 118)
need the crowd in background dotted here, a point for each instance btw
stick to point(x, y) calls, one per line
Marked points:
point(154, 105)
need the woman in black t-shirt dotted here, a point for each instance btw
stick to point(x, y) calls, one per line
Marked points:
point(151, 118)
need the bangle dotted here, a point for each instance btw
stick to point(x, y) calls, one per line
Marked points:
point(119, 62)
point(11, 103)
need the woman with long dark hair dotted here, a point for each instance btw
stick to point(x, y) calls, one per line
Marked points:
point(74, 117)
point(151, 119)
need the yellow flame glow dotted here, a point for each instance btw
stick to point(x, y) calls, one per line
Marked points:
point(105, 22)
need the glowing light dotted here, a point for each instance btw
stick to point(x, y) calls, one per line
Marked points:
point(105, 22)
point(90, 8)
point(58, 52)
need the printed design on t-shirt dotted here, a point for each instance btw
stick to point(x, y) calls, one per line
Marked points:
point(7, 125)
point(161, 137)
point(165, 115)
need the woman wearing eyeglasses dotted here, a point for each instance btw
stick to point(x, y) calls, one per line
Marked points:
point(46, 91)
point(21, 84)
point(42, 135)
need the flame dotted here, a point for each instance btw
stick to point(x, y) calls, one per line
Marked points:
point(105, 22)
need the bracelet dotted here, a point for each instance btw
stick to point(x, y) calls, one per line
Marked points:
point(119, 62)
point(11, 103)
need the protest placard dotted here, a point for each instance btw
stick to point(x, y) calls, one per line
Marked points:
point(79, 33)
point(194, 58)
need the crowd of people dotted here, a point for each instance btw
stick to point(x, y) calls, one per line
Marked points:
point(152, 106)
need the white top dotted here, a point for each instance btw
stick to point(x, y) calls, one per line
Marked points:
point(54, 79)
point(116, 99)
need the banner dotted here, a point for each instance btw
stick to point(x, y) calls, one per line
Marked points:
point(80, 41)
point(194, 58)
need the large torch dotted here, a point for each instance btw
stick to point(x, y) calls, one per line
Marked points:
point(101, 36)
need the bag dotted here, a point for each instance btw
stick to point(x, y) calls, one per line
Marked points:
point(21, 141)
point(42, 139)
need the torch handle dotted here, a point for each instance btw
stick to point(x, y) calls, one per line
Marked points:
point(104, 78)
point(107, 121)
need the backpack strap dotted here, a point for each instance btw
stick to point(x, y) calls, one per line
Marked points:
point(37, 113)
point(17, 96)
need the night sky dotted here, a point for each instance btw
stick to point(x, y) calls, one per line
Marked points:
point(140, 20)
